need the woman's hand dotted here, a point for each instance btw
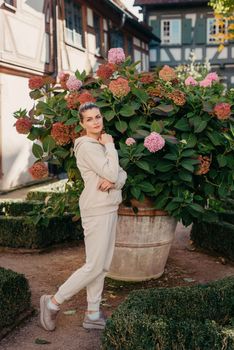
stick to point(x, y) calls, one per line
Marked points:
point(105, 185)
point(105, 138)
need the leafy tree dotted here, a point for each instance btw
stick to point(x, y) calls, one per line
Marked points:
point(224, 13)
point(222, 6)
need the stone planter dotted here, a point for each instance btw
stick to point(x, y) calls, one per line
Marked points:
point(143, 242)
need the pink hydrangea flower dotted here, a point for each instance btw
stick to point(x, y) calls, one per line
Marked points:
point(190, 81)
point(130, 141)
point(205, 83)
point(222, 110)
point(154, 142)
point(167, 73)
point(212, 76)
point(73, 83)
point(119, 87)
point(116, 55)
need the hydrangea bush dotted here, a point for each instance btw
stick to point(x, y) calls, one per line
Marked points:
point(174, 133)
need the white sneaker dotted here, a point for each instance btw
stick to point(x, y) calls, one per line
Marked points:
point(100, 323)
point(47, 316)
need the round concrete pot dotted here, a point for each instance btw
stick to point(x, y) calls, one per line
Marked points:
point(143, 242)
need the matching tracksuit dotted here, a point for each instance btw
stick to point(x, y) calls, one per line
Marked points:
point(99, 213)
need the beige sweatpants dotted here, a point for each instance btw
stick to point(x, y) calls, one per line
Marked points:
point(99, 237)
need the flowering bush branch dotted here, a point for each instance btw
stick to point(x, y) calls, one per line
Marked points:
point(174, 134)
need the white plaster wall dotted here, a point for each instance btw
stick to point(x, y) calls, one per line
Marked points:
point(73, 59)
point(198, 53)
point(232, 50)
point(176, 53)
point(210, 52)
point(92, 43)
point(223, 54)
point(23, 42)
point(16, 148)
point(136, 41)
point(153, 55)
point(164, 56)
point(32, 7)
point(89, 17)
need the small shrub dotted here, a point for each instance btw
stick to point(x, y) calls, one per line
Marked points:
point(19, 232)
point(19, 207)
point(15, 297)
point(216, 237)
point(180, 318)
point(142, 332)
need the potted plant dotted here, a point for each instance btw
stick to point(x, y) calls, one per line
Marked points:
point(174, 133)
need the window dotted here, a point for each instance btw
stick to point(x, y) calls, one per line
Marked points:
point(106, 36)
point(129, 46)
point(73, 22)
point(116, 39)
point(48, 46)
point(10, 3)
point(97, 29)
point(171, 31)
point(214, 28)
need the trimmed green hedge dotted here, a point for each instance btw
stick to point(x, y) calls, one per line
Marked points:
point(141, 332)
point(19, 207)
point(19, 232)
point(216, 237)
point(190, 318)
point(15, 297)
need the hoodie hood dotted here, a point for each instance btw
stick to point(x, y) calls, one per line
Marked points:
point(83, 139)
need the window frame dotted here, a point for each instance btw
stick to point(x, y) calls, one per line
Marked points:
point(163, 37)
point(106, 37)
point(129, 46)
point(68, 41)
point(98, 36)
point(120, 37)
point(48, 30)
point(209, 39)
point(10, 6)
point(99, 32)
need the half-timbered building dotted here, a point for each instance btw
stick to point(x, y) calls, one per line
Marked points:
point(185, 25)
point(43, 37)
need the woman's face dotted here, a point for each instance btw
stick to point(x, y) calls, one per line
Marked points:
point(92, 121)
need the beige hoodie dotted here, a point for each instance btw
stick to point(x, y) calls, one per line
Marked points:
point(96, 161)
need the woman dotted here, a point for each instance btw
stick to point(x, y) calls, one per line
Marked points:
point(97, 160)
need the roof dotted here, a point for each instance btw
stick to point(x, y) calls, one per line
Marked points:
point(168, 2)
point(121, 5)
point(131, 19)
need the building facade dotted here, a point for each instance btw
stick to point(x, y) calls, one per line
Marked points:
point(185, 25)
point(43, 37)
